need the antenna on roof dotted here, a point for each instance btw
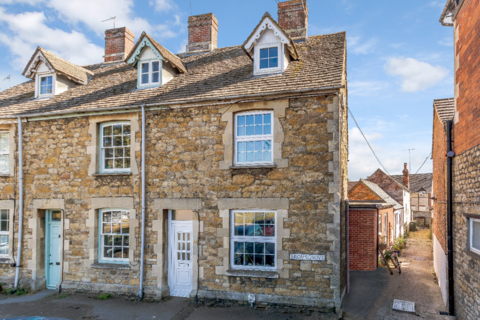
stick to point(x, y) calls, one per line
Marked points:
point(9, 76)
point(409, 157)
point(191, 10)
point(112, 18)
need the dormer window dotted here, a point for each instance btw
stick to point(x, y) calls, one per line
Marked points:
point(46, 85)
point(150, 73)
point(269, 58)
point(270, 48)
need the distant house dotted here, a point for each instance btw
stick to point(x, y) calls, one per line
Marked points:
point(372, 220)
point(420, 196)
point(399, 192)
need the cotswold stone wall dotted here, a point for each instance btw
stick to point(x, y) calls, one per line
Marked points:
point(466, 205)
point(184, 152)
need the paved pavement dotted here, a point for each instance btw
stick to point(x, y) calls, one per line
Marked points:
point(372, 293)
point(371, 297)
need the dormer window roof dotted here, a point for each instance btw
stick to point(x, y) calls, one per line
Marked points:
point(155, 64)
point(270, 47)
point(52, 74)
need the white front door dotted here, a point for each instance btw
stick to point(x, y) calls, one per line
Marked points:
point(181, 256)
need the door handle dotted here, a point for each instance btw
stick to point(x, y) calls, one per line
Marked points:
point(51, 263)
point(58, 263)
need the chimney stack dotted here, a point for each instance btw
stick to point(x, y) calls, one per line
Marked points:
point(202, 33)
point(293, 18)
point(406, 177)
point(118, 44)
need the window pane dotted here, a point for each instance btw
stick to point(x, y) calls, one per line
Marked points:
point(145, 67)
point(107, 252)
point(239, 247)
point(259, 260)
point(107, 228)
point(126, 141)
point(263, 53)
point(250, 130)
point(258, 130)
point(109, 153)
point(4, 162)
point(125, 228)
point(127, 163)
point(273, 63)
point(125, 241)
point(144, 78)
point(155, 77)
point(259, 218)
point(259, 247)
point(117, 129)
point(4, 226)
point(475, 230)
point(126, 129)
point(273, 52)
point(117, 141)
point(118, 152)
point(250, 157)
point(267, 118)
point(109, 164)
point(270, 261)
point(241, 146)
point(241, 157)
point(107, 142)
point(241, 131)
point(250, 146)
point(107, 217)
point(127, 152)
point(116, 229)
point(155, 66)
point(107, 131)
point(4, 214)
point(267, 129)
point(270, 248)
point(125, 253)
point(264, 64)
point(4, 142)
point(258, 156)
point(270, 218)
point(4, 244)
point(238, 259)
point(108, 240)
point(250, 120)
point(241, 120)
point(258, 119)
point(118, 163)
point(249, 247)
point(249, 218)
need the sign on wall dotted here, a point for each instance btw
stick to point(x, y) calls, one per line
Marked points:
point(307, 257)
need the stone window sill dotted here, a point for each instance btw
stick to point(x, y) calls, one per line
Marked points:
point(268, 166)
point(107, 174)
point(253, 274)
point(111, 266)
point(472, 254)
point(5, 175)
point(4, 261)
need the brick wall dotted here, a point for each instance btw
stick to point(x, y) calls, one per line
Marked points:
point(293, 18)
point(202, 33)
point(363, 239)
point(467, 77)
point(118, 44)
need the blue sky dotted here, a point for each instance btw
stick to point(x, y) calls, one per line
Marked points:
point(400, 58)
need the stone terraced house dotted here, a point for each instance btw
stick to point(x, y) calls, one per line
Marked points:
point(227, 166)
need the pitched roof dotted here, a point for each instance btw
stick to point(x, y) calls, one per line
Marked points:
point(445, 108)
point(382, 194)
point(291, 46)
point(225, 73)
point(351, 184)
point(400, 184)
point(418, 181)
point(72, 71)
point(166, 54)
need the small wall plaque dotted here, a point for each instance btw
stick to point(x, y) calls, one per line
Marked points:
point(307, 257)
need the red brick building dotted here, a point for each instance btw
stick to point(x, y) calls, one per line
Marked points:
point(371, 221)
point(462, 178)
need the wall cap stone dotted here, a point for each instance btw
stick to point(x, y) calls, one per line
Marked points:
point(110, 266)
point(253, 274)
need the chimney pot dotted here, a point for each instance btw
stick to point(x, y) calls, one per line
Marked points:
point(118, 44)
point(293, 18)
point(202, 33)
point(406, 177)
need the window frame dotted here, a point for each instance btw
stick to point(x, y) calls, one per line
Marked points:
point(253, 138)
point(268, 58)
point(470, 241)
point(150, 84)
point(39, 85)
point(102, 148)
point(6, 153)
point(281, 57)
point(255, 239)
point(101, 244)
point(6, 233)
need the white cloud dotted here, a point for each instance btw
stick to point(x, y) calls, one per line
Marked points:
point(446, 42)
point(29, 2)
point(417, 75)
point(360, 47)
point(183, 46)
point(28, 30)
point(437, 4)
point(163, 5)
point(365, 88)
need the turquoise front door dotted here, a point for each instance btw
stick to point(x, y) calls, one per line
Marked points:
point(52, 251)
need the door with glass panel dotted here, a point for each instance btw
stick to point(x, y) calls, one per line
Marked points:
point(52, 251)
point(181, 258)
point(4, 232)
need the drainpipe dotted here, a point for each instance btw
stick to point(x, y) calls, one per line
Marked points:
point(142, 251)
point(450, 155)
point(348, 244)
point(20, 201)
